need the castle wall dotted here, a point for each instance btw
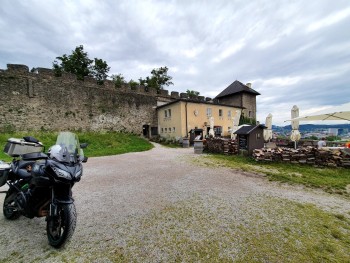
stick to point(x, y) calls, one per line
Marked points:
point(35, 101)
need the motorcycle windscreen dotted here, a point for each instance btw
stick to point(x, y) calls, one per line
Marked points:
point(70, 142)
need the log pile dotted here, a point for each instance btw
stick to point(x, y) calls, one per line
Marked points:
point(220, 145)
point(305, 155)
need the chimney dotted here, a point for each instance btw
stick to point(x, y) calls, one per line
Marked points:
point(249, 85)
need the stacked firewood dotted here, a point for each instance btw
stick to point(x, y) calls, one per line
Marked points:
point(305, 155)
point(220, 145)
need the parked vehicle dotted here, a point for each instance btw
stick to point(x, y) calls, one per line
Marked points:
point(40, 185)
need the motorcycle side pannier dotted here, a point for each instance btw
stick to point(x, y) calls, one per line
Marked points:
point(16, 147)
point(4, 172)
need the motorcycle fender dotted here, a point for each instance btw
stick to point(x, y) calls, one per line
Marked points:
point(53, 206)
point(68, 200)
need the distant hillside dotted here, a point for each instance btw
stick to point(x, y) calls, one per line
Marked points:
point(312, 127)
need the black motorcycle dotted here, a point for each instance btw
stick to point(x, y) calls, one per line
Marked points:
point(40, 185)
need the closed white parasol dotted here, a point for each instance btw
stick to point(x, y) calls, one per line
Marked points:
point(295, 135)
point(235, 123)
point(268, 131)
point(211, 131)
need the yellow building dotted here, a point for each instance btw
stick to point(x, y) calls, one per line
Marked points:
point(182, 117)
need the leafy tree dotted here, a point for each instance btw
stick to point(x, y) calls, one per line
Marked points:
point(99, 70)
point(333, 138)
point(81, 65)
point(246, 120)
point(192, 93)
point(133, 84)
point(158, 79)
point(118, 80)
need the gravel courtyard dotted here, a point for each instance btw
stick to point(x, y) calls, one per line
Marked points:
point(144, 207)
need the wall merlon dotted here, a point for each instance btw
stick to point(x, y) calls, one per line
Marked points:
point(183, 95)
point(45, 72)
point(164, 92)
point(174, 94)
point(17, 68)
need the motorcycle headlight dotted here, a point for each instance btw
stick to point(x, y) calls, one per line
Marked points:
point(78, 174)
point(62, 173)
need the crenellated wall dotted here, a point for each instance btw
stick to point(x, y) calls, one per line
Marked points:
point(39, 100)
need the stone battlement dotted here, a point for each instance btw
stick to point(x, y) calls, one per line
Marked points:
point(37, 99)
point(45, 74)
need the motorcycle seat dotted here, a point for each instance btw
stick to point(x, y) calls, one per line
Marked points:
point(20, 168)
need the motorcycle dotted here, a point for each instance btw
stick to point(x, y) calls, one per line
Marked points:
point(40, 185)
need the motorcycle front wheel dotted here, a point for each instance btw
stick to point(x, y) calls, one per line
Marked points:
point(10, 209)
point(60, 228)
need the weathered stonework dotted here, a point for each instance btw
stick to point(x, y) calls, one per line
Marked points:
point(34, 101)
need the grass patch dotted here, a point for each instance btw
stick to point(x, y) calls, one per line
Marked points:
point(100, 144)
point(259, 230)
point(333, 180)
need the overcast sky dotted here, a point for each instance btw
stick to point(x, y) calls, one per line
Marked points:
point(293, 52)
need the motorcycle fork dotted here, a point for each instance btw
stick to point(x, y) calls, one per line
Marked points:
point(53, 206)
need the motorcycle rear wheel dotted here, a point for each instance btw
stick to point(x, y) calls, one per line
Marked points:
point(60, 228)
point(10, 209)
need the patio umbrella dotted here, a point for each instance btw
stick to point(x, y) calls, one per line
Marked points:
point(334, 116)
point(211, 131)
point(295, 135)
point(235, 122)
point(268, 131)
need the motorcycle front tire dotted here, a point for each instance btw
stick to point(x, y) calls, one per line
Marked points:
point(10, 210)
point(60, 228)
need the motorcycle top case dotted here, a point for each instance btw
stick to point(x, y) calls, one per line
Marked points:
point(16, 147)
point(4, 172)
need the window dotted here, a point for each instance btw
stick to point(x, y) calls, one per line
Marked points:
point(218, 130)
point(208, 112)
point(250, 114)
point(220, 112)
point(166, 130)
point(161, 130)
point(173, 129)
point(166, 113)
point(229, 114)
point(169, 113)
point(169, 129)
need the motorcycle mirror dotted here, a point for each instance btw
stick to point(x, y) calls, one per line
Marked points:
point(85, 159)
point(83, 145)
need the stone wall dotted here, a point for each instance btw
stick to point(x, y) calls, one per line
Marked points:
point(34, 101)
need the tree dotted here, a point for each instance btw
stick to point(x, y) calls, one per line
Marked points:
point(118, 80)
point(133, 84)
point(246, 120)
point(81, 65)
point(99, 70)
point(158, 79)
point(192, 93)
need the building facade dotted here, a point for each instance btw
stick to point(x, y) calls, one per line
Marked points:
point(183, 117)
point(240, 95)
point(179, 118)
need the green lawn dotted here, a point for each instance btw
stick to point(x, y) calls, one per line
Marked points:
point(100, 144)
point(334, 180)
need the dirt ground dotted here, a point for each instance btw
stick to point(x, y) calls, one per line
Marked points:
point(116, 190)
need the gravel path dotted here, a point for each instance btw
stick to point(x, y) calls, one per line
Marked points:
point(117, 192)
